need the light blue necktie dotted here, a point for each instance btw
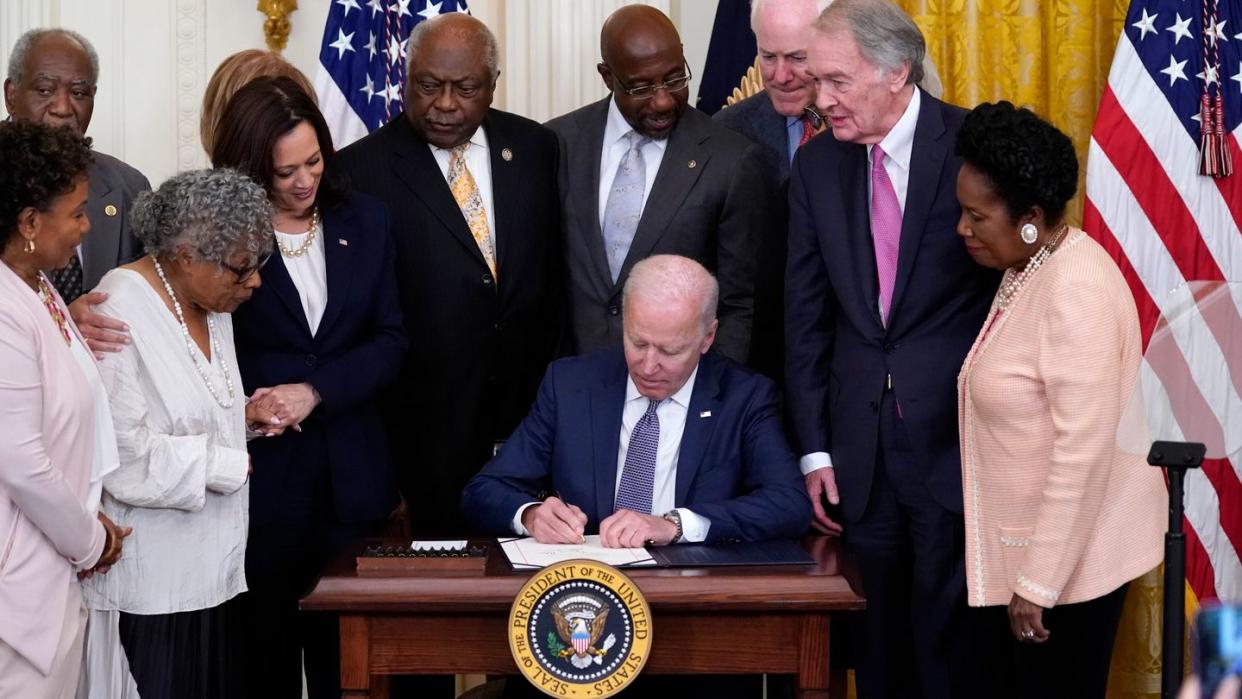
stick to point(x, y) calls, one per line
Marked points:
point(638, 474)
point(625, 204)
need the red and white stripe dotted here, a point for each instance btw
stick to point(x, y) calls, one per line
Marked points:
point(1174, 232)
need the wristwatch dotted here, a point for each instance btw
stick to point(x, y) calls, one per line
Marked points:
point(675, 517)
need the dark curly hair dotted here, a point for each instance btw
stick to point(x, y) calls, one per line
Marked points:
point(256, 117)
point(1029, 161)
point(40, 163)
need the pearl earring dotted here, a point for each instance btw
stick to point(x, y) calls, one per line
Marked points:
point(1029, 233)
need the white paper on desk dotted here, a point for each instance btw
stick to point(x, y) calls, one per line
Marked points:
point(528, 554)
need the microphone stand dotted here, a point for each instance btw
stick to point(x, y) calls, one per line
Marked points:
point(1175, 458)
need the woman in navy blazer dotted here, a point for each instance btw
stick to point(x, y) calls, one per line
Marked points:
point(317, 344)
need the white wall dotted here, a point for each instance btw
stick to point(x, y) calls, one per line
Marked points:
point(156, 55)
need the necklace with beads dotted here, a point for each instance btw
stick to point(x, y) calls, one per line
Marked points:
point(49, 302)
point(1014, 281)
point(189, 345)
point(311, 232)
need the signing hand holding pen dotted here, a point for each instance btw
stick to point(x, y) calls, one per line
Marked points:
point(555, 522)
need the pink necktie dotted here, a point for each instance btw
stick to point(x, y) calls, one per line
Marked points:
point(885, 228)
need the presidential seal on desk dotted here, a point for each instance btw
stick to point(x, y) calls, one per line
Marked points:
point(580, 628)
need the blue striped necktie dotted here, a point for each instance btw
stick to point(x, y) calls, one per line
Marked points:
point(638, 475)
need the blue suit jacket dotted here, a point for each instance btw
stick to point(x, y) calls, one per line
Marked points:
point(838, 352)
point(734, 466)
point(355, 353)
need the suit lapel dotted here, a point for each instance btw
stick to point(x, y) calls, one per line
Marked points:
point(276, 277)
point(700, 424)
point(102, 246)
point(673, 182)
point(585, 183)
point(415, 166)
point(927, 158)
point(607, 401)
point(854, 176)
point(505, 188)
point(337, 256)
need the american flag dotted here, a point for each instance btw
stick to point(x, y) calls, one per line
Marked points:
point(1174, 232)
point(361, 76)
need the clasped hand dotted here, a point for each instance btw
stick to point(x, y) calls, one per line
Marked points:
point(554, 521)
point(113, 543)
point(270, 411)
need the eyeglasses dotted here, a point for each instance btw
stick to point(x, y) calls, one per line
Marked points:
point(812, 115)
point(646, 92)
point(245, 273)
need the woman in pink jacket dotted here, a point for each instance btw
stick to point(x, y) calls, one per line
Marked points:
point(56, 437)
point(1058, 518)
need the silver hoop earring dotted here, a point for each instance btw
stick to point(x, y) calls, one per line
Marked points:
point(1029, 233)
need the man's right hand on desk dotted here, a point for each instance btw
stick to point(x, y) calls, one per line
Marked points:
point(555, 522)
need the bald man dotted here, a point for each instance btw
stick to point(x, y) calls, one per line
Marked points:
point(644, 173)
point(472, 193)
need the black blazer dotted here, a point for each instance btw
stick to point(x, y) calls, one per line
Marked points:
point(709, 202)
point(838, 352)
point(352, 357)
point(478, 345)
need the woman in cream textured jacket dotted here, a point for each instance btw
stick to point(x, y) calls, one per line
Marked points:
point(1058, 518)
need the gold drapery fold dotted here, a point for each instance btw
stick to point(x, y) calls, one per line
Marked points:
point(1050, 55)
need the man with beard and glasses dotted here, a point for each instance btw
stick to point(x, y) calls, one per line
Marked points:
point(642, 173)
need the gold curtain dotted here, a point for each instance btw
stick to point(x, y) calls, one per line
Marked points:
point(1050, 55)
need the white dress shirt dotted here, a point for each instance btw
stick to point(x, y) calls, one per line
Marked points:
point(308, 272)
point(479, 163)
point(615, 145)
point(898, 145)
point(672, 415)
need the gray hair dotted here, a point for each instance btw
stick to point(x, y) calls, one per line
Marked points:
point(215, 213)
point(17, 59)
point(886, 35)
point(491, 50)
point(756, 6)
point(669, 279)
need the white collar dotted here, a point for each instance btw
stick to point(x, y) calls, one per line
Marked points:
point(898, 143)
point(681, 397)
point(617, 128)
point(478, 138)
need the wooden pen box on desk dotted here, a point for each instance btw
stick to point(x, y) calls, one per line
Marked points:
point(396, 558)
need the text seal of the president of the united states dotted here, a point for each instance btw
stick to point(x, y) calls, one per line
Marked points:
point(580, 629)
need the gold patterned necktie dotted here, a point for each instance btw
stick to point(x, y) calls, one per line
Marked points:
point(466, 192)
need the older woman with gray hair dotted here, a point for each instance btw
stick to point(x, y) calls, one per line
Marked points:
point(180, 418)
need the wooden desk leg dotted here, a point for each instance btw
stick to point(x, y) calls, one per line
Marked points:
point(813, 671)
point(356, 680)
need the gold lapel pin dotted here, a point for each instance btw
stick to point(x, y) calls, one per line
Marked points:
point(692, 164)
point(110, 210)
point(506, 154)
point(343, 242)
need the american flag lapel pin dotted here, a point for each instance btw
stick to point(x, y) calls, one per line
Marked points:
point(705, 413)
point(344, 243)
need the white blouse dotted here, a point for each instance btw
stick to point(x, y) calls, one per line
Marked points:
point(183, 478)
point(103, 456)
point(309, 274)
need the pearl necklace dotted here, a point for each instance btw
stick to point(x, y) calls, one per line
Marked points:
point(310, 238)
point(189, 344)
point(1014, 281)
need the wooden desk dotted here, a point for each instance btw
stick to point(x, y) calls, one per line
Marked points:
point(773, 619)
